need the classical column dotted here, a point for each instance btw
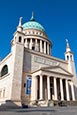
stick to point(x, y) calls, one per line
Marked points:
point(67, 91)
point(72, 91)
point(61, 89)
point(41, 46)
point(31, 43)
point(48, 87)
point(55, 89)
point(34, 88)
point(45, 47)
point(36, 45)
point(41, 87)
point(49, 49)
point(26, 44)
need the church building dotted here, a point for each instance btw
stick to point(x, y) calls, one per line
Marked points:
point(30, 74)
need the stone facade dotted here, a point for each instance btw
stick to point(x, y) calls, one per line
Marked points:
point(31, 75)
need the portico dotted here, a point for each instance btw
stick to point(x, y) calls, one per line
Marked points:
point(52, 86)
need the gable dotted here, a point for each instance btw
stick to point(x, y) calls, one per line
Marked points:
point(57, 69)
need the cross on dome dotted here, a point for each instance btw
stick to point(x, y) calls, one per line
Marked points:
point(32, 18)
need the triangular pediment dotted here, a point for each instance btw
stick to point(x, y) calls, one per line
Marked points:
point(57, 69)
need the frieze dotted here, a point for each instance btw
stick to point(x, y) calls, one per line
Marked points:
point(45, 61)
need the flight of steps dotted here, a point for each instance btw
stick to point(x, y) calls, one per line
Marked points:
point(9, 105)
point(41, 103)
point(65, 103)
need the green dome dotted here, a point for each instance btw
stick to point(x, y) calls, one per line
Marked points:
point(32, 24)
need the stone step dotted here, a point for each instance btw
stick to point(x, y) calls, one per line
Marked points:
point(65, 103)
point(8, 105)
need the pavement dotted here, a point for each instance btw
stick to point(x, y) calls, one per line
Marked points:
point(69, 110)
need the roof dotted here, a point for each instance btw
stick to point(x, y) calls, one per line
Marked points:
point(55, 69)
point(32, 24)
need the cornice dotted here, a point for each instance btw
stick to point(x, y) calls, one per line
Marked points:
point(45, 56)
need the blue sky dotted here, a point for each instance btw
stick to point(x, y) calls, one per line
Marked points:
point(58, 17)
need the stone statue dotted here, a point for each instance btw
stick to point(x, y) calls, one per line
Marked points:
point(20, 21)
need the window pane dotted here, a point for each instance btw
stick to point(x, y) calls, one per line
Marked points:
point(4, 70)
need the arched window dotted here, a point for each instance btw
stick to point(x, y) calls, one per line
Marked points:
point(19, 38)
point(67, 57)
point(4, 70)
point(71, 57)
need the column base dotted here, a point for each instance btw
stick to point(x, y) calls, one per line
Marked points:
point(41, 99)
point(50, 103)
point(33, 103)
point(42, 103)
point(62, 99)
point(68, 99)
point(55, 99)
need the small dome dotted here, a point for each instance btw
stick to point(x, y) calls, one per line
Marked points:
point(32, 24)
